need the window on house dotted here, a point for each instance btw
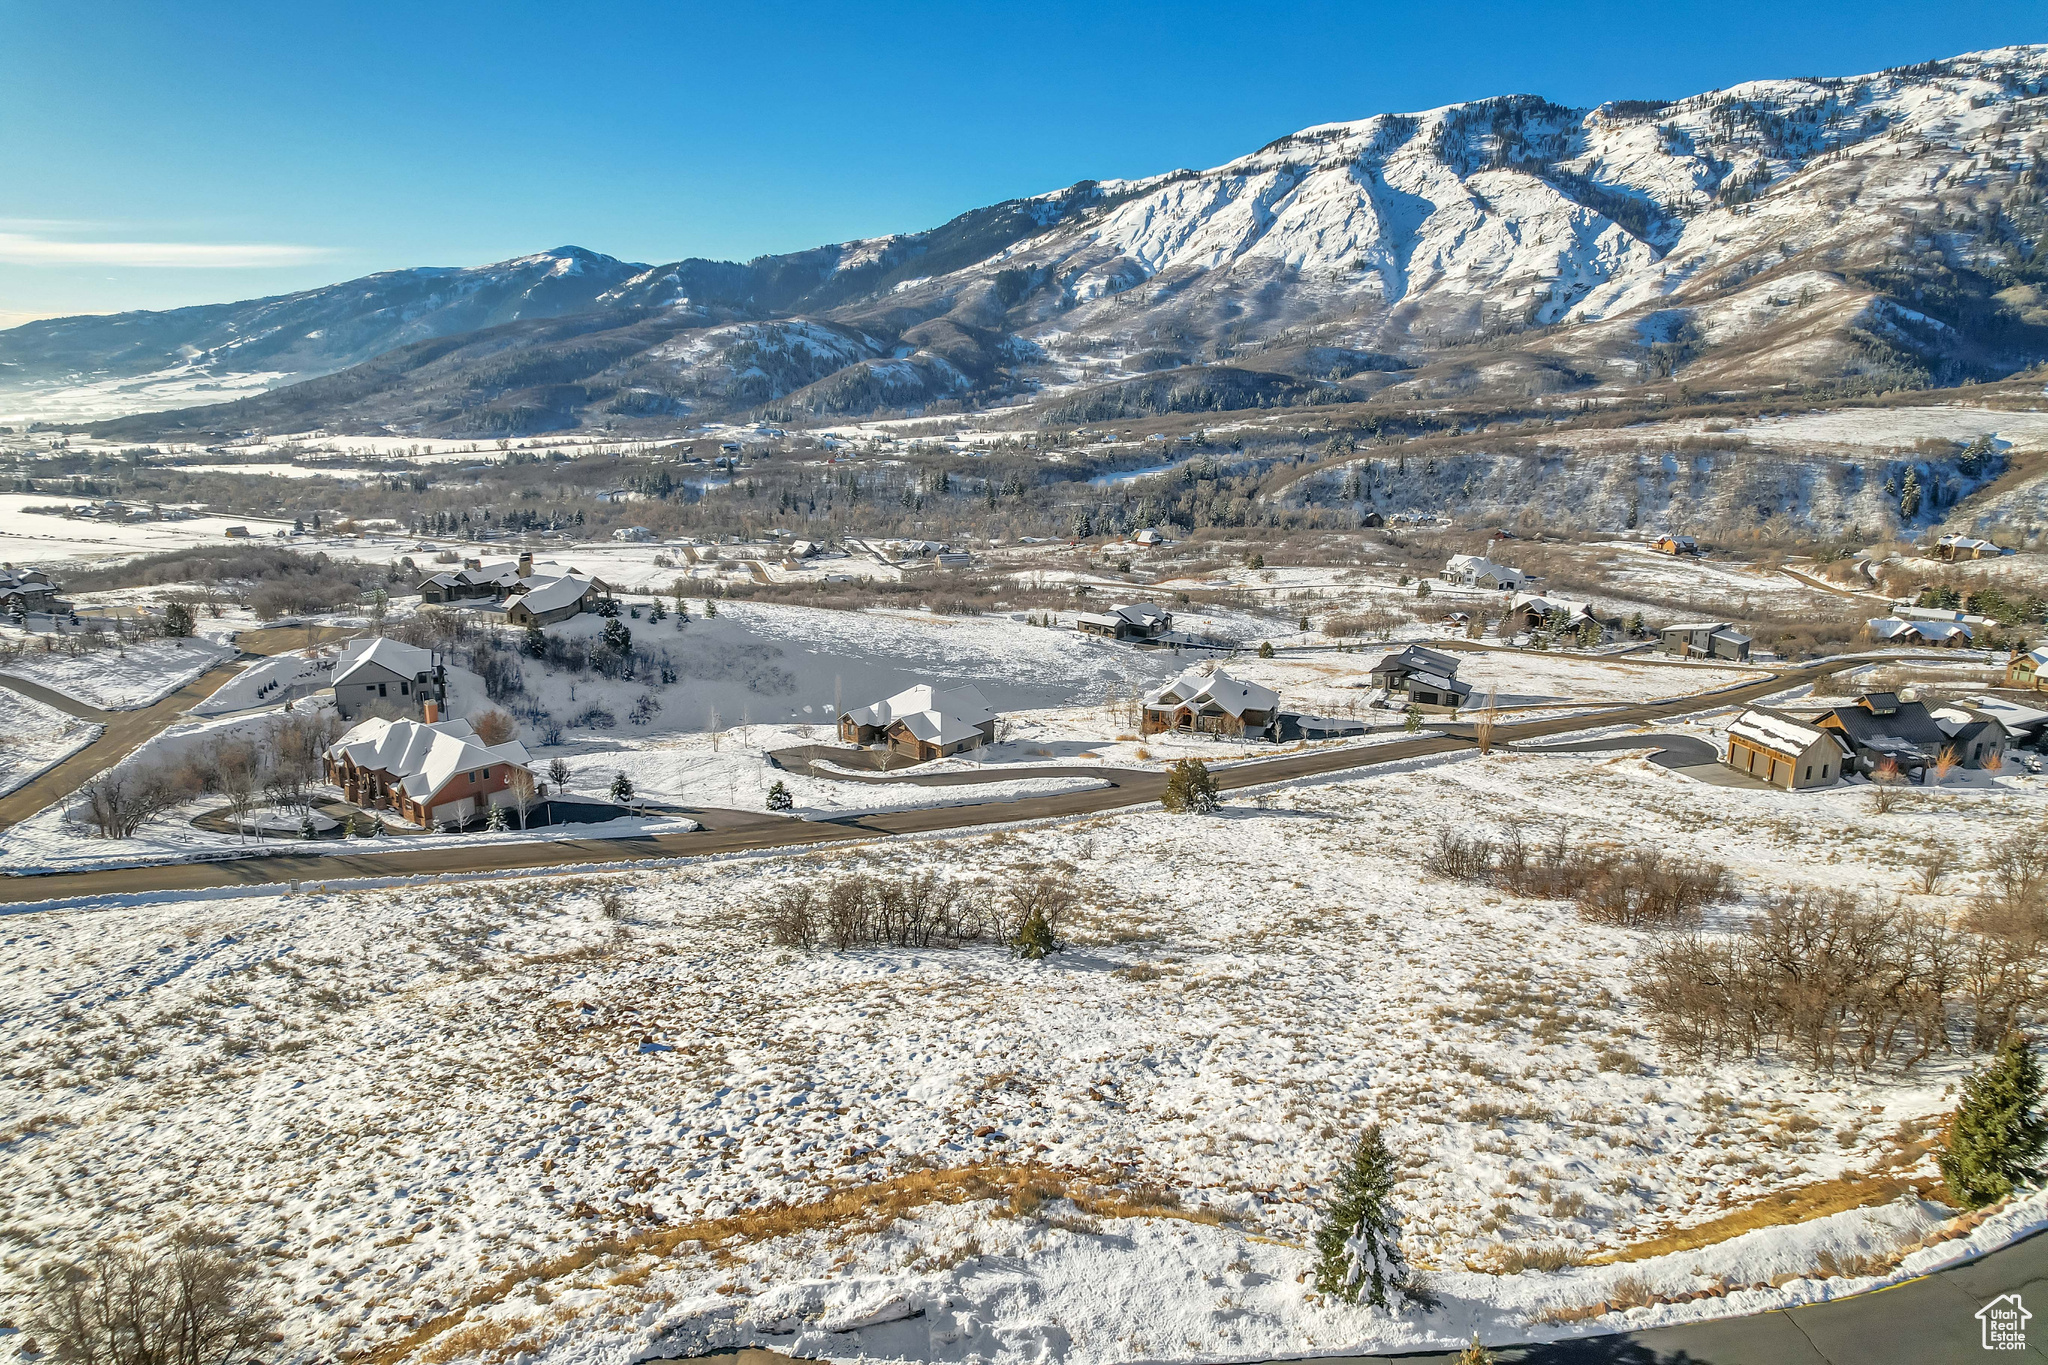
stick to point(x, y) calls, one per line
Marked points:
point(472, 779)
point(405, 689)
point(1809, 774)
point(380, 690)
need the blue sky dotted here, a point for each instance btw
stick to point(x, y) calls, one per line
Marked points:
point(155, 155)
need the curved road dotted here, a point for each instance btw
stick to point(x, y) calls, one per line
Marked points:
point(729, 831)
point(1928, 1321)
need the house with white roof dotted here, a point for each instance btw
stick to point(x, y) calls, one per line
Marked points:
point(2028, 670)
point(544, 601)
point(387, 672)
point(1477, 571)
point(923, 722)
point(1894, 630)
point(1138, 621)
point(25, 590)
point(1213, 704)
point(431, 773)
point(1965, 547)
point(1784, 752)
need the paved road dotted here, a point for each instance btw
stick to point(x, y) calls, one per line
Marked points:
point(125, 732)
point(802, 760)
point(1929, 1321)
point(740, 831)
point(1673, 751)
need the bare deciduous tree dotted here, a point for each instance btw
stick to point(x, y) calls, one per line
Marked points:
point(523, 790)
point(193, 1304)
point(493, 726)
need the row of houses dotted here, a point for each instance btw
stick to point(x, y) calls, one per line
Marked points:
point(923, 723)
point(530, 594)
point(1877, 730)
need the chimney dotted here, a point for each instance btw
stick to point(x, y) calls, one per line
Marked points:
point(432, 710)
point(526, 563)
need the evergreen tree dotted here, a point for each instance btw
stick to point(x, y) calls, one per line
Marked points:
point(1190, 790)
point(1358, 1247)
point(618, 636)
point(779, 797)
point(306, 830)
point(1995, 1138)
point(1265, 649)
point(178, 620)
point(494, 820)
point(1475, 1354)
point(1909, 496)
point(536, 642)
point(1035, 939)
point(1413, 724)
point(622, 790)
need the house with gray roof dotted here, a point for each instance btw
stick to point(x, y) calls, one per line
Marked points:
point(1212, 704)
point(923, 722)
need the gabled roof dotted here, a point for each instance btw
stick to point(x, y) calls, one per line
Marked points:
point(1693, 627)
point(1141, 613)
point(423, 757)
point(1216, 689)
point(1549, 605)
point(395, 656)
point(1417, 659)
point(539, 594)
point(1907, 730)
point(931, 715)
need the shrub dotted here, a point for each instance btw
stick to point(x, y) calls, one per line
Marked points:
point(195, 1304)
point(1995, 1138)
point(1190, 790)
point(178, 622)
point(779, 797)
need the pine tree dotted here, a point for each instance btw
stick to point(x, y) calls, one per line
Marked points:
point(536, 642)
point(1190, 790)
point(779, 797)
point(1358, 1248)
point(494, 820)
point(622, 790)
point(1265, 649)
point(306, 830)
point(1475, 1354)
point(1413, 725)
point(1995, 1139)
point(1035, 939)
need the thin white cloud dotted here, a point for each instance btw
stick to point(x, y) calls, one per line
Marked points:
point(17, 248)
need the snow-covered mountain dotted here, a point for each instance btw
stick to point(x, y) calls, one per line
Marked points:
point(1879, 230)
point(312, 332)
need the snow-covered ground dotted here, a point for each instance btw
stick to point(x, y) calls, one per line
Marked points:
point(120, 678)
point(336, 1077)
point(35, 738)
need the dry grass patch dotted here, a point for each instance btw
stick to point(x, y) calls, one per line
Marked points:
point(1800, 1205)
point(851, 1211)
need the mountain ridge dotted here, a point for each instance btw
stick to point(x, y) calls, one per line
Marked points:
point(1613, 245)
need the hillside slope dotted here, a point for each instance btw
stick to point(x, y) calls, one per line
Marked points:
point(1868, 232)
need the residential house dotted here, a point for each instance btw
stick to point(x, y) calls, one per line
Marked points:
point(1213, 704)
point(27, 589)
point(389, 672)
point(2023, 724)
point(1705, 640)
point(1138, 621)
point(1893, 630)
point(638, 534)
point(1477, 571)
point(1784, 752)
point(431, 773)
point(551, 599)
point(1965, 547)
point(923, 722)
point(2027, 670)
point(1675, 545)
point(1880, 727)
point(1530, 612)
point(1425, 677)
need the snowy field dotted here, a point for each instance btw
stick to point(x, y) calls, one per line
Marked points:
point(35, 738)
point(335, 1078)
point(49, 541)
point(132, 675)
